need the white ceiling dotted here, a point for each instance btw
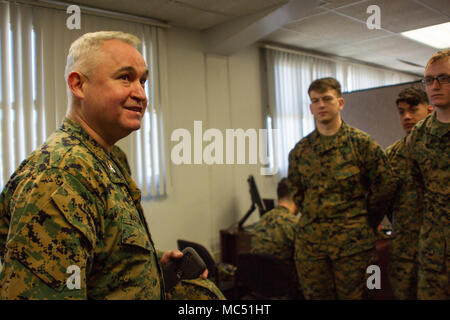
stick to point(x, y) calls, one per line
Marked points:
point(336, 27)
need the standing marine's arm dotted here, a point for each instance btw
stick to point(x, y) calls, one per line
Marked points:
point(294, 178)
point(381, 181)
point(50, 246)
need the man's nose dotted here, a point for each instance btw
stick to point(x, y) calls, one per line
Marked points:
point(435, 84)
point(138, 91)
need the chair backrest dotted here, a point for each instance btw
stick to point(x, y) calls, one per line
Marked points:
point(204, 254)
point(267, 276)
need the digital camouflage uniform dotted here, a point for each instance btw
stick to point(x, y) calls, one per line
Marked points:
point(406, 222)
point(428, 146)
point(195, 289)
point(339, 184)
point(72, 204)
point(274, 234)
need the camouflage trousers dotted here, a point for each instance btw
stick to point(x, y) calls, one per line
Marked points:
point(342, 278)
point(434, 262)
point(195, 289)
point(403, 278)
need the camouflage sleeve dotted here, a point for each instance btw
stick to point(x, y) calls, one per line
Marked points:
point(51, 241)
point(416, 183)
point(381, 182)
point(289, 228)
point(390, 156)
point(4, 226)
point(294, 179)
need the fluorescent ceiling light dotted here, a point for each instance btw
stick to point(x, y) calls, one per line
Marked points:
point(437, 36)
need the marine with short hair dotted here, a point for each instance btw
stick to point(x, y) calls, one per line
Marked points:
point(412, 106)
point(71, 221)
point(342, 185)
point(274, 233)
point(428, 150)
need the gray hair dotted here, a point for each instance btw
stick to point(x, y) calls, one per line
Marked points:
point(81, 52)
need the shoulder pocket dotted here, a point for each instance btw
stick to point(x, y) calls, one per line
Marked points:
point(75, 207)
point(133, 234)
point(48, 244)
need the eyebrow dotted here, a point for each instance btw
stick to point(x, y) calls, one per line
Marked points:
point(132, 70)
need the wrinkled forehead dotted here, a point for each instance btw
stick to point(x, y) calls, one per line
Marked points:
point(118, 54)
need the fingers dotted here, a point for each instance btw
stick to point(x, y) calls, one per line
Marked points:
point(169, 255)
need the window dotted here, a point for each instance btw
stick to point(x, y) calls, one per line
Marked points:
point(33, 97)
point(289, 75)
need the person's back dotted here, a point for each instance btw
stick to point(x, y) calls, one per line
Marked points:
point(274, 234)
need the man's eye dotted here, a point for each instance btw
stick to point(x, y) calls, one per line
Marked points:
point(445, 78)
point(124, 77)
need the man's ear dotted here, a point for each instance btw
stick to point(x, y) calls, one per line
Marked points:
point(430, 109)
point(341, 103)
point(76, 82)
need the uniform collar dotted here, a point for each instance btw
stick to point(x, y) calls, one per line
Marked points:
point(284, 209)
point(336, 141)
point(75, 130)
point(437, 128)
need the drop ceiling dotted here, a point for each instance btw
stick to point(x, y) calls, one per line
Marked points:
point(332, 27)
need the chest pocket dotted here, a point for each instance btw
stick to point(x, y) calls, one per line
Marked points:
point(348, 171)
point(347, 180)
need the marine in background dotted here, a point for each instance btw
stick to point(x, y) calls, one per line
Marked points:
point(412, 106)
point(274, 233)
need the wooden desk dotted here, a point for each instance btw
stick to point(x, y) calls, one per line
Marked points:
point(232, 242)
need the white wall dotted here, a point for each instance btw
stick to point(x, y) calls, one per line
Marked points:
point(224, 93)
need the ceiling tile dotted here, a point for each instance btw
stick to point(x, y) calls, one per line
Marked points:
point(233, 8)
point(442, 6)
point(398, 15)
point(334, 27)
point(331, 4)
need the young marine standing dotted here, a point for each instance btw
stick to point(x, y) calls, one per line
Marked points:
point(412, 106)
point(341, 180)
point(428, 148)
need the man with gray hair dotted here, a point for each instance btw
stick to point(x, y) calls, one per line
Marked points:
point(71, 222)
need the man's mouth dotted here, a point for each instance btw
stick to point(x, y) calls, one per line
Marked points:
point(135, 109)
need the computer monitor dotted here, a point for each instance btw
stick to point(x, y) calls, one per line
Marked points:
point(263, 205)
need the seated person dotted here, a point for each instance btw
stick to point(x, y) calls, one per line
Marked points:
point(274, 233)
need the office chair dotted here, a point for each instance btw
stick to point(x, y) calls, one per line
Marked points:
point(267, 277)
point(204, 254)
point(227, 285)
